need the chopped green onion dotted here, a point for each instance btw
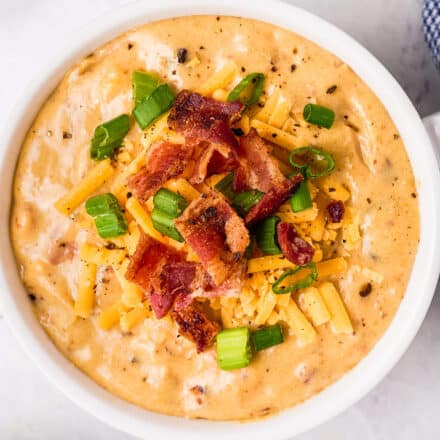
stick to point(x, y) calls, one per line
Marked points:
point(244, 200)
point(112, 224)
point(267, 337)
point(164, 223)
point(225, 186)
point(108, 137)
point(101, 204)
point(234, 348)
point(143, 85)
point(151, 107)
point(255, 81)
point(247, 199)
point(301, 199)
point(266, 236)
point(313, 162)
point(319, 115)
point(169, 202)
point(301, 284)
point(109, 219)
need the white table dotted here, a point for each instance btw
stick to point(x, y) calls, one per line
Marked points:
point(406, 405)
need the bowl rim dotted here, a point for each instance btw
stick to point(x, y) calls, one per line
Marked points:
point(337, 396)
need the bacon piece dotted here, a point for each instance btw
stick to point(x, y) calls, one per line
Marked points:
point(336, 211)
point(273, 199)
point(259, 166)
point(207, 122)
point(204, 119)
point(293, 246)
point(205, 288)
point(196, 326)
point(161, 303)
point(182, 300)
point(216, 234)
point(161, 272)
point(240, 181)
point(215, 159)
point(164, 161)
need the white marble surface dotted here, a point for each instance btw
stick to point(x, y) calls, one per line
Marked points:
point(406, 404)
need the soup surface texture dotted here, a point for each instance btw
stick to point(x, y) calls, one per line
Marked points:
point(145, 361)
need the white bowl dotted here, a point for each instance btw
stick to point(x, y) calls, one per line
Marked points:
point(337, 397)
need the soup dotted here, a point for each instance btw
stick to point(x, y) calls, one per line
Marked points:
point(190, 257)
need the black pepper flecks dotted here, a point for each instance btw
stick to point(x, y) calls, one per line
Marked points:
point(366, 290)
point(182, 55)
point(292, 67)
point(331, 89)
point(67, 135)
point(32, 296)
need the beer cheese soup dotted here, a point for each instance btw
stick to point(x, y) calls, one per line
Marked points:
point(214, 217)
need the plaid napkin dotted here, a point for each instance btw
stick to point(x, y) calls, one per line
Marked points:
point(431, 24)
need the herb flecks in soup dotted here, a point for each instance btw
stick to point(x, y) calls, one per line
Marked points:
point(211, 224)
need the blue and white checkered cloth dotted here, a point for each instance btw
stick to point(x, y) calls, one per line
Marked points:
point(431, 24)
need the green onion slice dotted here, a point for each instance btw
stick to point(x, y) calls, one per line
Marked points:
point(300, 284)
point(267, 337)
point(109, 219)
point(143, 85)
point(241, 92)
point(152, 106)
point(164, 223)
point(102, 204)
point(313, 162)
point(169, 202)
point(234, 348)
point(319, 115)
point(112, 224)
point(225, 186)
point(108, 137)
point(301, 200)
point(247, 199)
point(266, 235)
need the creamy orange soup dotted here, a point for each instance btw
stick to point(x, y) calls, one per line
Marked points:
point(142, 359)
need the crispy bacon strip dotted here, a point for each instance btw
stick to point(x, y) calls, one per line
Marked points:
point(214, 159)
point(161, 272)
point(273, 199)
point(164, 161)
point(293, 246)
point(240, 182)
point(198, 117)
point(215, 233)
point(257, 164)
point(161, 303)
point(196, 326)
point(336, 211)
point(207, 123)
